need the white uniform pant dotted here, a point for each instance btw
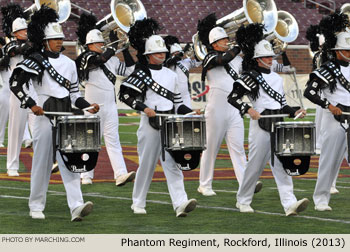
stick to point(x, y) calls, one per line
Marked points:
point(4, 109)
point(42, 164)
point(318, 120)
point(109, 122)
point(259, 155)
point(18, 118)
point(222, 121)
point(149, 151)
point(333, 149)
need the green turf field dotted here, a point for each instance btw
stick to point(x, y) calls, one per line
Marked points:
point(112, 213)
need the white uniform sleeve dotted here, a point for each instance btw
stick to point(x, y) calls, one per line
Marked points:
point(74, 87)
point(178, 101)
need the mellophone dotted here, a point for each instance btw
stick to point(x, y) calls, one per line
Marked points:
point(185, 139)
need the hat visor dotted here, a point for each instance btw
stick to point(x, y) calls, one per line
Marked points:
point(57, 36)
point(157, 51)
point(265, 55)
point(97, 41)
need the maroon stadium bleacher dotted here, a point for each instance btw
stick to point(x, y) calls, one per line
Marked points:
point(180, 17)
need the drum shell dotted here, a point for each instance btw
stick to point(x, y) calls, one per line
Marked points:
point(185, 133)
point(299, 136)
point(78, 134)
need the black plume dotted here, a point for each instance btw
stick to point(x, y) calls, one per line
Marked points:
point(247, 37)
point(36, 27)
point(9, 14)
point(204, 27)
point(139, 32)
point(329, 27)
point(187, 47)
point(2, 42)
point(170, 40)
point(87, 22)
point(312, 34)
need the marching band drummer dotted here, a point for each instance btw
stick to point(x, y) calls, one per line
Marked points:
point(152, 88)
point(181, 66)
point(221, 66)
point(265, 90)
point(332, 78)
point(55, 80)
point(98, 68)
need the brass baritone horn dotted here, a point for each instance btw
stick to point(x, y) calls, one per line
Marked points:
point(124, 13)
point(62, 7)
point(345, 8)
point(253, 11)
point(286, 31)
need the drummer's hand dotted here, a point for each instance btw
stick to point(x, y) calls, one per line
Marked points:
point(255, 115)
point(149, 112)
point(302, 111)
point(198, 111)
point(37, 110)
point(335, 110)
point(95, 109)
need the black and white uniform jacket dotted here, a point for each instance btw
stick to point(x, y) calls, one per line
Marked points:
point(332, 78)
point(101, 70)
point(152, 86)
point(64, 84)
point(222, 68)
point(262, 96)
point(12, 53)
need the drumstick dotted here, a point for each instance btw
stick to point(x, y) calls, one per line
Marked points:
point(165, 114)
point(194, 112)
point(345, 113)
point(272, 116)
point(91, 107)
point(298, 115)
point(58, 113)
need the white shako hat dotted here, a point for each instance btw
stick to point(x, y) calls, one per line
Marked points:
point(216, 34)
point(19, 24)
point(263, 49)
point(53, 31)
point(94, 36)
point(155, 44)
point(343, 41)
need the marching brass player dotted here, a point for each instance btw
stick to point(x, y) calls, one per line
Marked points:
point(332, 78)
point(14, 25)
point(264, 88)
point(55, 80)
point(98, 69)
point(153, 89)
point(222, 67)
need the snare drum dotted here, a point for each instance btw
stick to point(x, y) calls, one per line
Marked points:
point(295, 139)
point(77, 134)
point(185, 139)
point(185, 133)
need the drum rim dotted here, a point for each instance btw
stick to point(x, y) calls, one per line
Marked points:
point(69, 117)
point(295, 123)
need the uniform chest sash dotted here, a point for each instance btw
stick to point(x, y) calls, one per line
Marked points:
point(62, 81)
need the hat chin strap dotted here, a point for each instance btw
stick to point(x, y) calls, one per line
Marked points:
point(48, 46)
point(99, 48)
point(348, 59)
point(225, 47)
point(262, 62)
point(159, 60)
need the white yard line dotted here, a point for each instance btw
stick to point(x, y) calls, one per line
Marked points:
point(98, 195)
